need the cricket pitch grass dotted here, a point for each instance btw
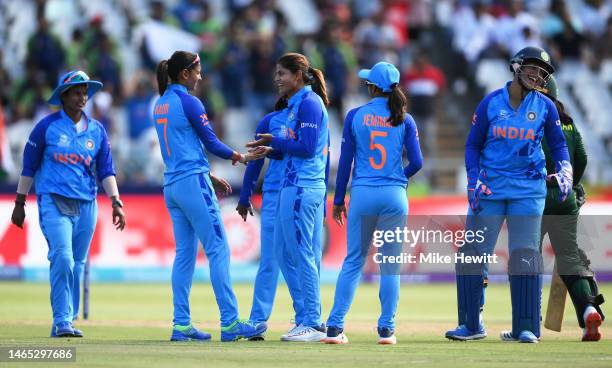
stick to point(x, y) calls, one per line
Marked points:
point(130, 325)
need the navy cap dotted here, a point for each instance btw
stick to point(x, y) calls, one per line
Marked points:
point(384, 75)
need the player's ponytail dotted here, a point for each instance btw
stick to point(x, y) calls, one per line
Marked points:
point(295, 62)
point(168, 70)
point(162, 76)
point(317, 82)
point(398, 105)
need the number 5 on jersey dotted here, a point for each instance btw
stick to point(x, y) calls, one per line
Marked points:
point(379, 147)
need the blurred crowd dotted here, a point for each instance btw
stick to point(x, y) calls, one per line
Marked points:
point(436, 44)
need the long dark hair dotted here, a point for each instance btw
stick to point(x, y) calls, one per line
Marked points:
point(172, 67)
point(398, 105)
point(313, 76)
point(563, 115)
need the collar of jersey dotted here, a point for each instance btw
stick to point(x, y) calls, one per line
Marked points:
point(177, 87)
point(378, 100)
point(506, 93)
point(298, 95)
point(67, 118)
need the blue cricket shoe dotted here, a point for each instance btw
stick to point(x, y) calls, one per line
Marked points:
point(65, 329)
point(188, 333)
point(240, 329)
point(462, 333)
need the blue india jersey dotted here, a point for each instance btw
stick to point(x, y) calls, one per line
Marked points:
point(504, 146)
point(306, 142)
point(184, 131)
point(64, 161)
point(375, 149)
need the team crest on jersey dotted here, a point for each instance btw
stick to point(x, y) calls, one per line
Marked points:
point(291, 115)
point(63, 141)
point(504, 114)
point(531, 116)
point(89, 144)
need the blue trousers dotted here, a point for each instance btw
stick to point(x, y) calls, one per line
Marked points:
point(69, 238)
point(523, 217)
point(297, 236)
point(386, 210)
point(194, 210)
point(266, 280)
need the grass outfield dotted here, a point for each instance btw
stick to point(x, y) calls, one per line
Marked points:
point(130, 326)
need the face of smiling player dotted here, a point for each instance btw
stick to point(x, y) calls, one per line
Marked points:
point(532, 75)
point(286, 82)
point(74, 100)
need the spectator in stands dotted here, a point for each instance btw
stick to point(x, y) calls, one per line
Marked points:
point(107, 68)
point(603, 44)
point(425, 83)
point(75, 54)
point(594, 15)
point(29, 93)
point(233, 66)
point(338, 61)
point(138, 107)
point(262, 63)
point(562, 32)
point(189, 13)
point(516, 29)
point(209, 30)
point(376, 40)
point(473, 28)
point(158, 13)
point(45, 51)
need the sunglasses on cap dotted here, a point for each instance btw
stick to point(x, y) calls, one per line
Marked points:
point(79, 76)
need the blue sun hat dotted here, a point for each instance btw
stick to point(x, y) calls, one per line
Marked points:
point(383, 75)
point(72, 79)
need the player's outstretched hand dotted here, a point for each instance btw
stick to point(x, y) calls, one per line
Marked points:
point(220, 185)
point(338, 213)
point(118, 218)
point(254, 153)
point(244, 211)
point(264, 140)
point(18, 216)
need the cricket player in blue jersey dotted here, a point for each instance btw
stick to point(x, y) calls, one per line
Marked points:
point(267, 274)
point(65, 154)
point(507, 177)
point(184, 131)
point(301, 202)
point(374, 137)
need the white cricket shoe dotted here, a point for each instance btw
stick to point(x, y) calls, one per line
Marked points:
point(304, 334)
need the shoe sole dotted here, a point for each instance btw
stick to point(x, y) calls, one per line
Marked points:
point(257, 338)
point(528, 341)
point(190, 339)
point(592, 323)
point(334, 341)
point(293, 339)
point(387, 341)
point(466, 338)
point(257, 333)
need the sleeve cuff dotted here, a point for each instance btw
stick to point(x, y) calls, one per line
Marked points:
point(277, 143)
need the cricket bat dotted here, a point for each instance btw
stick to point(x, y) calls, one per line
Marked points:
point(556, 303)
